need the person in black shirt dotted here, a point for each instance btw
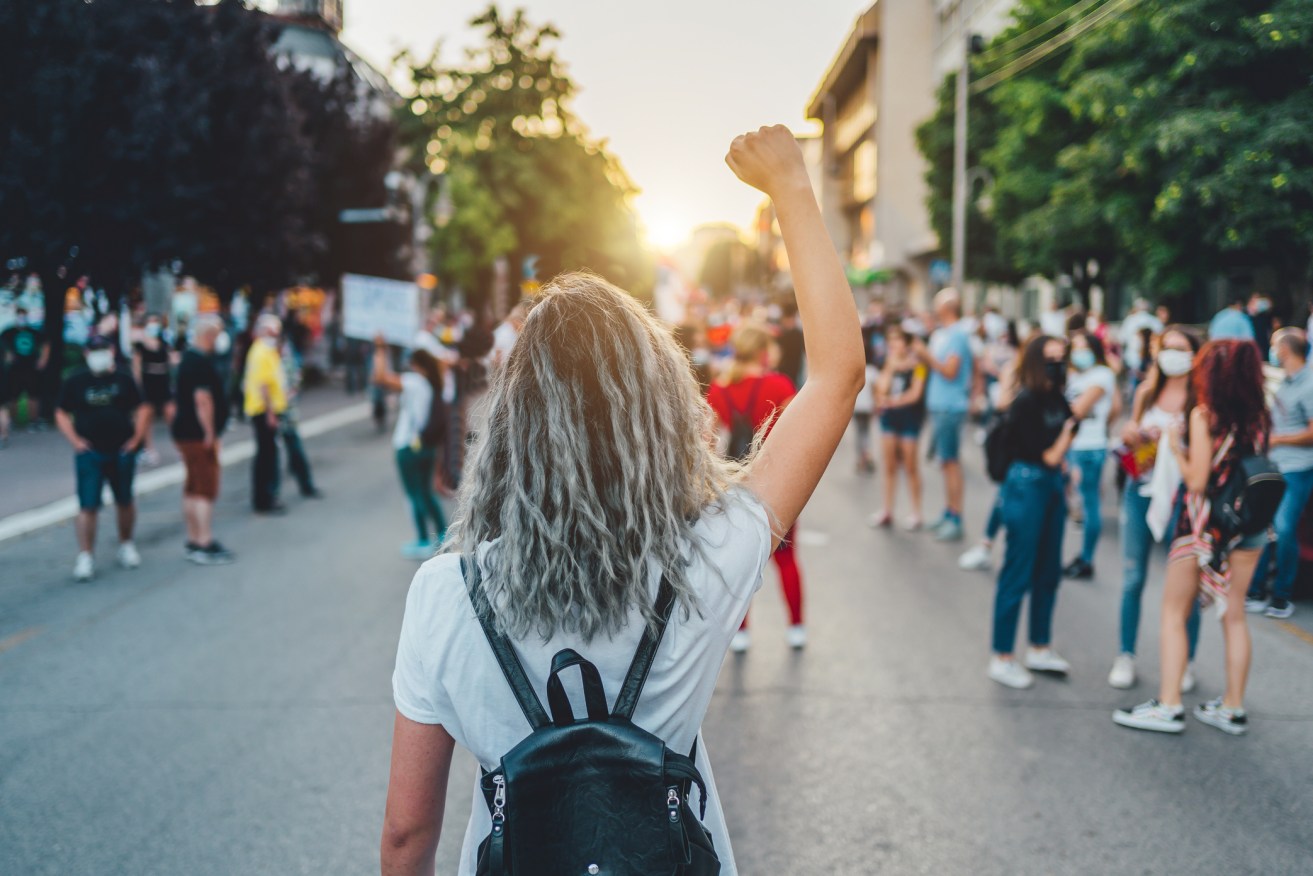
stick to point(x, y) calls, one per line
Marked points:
point(102, 415)
point(152, 365)
point(1040, 428)
point(23, 355)
point(792, 349)
point(200, 416)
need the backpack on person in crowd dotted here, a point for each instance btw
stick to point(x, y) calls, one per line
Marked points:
point(434, 433)
point(742, 430)
point(598, 795)
point(1246, 503)
point(999, 452)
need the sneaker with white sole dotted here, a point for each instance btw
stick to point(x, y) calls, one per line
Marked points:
point(128, 556)
point(797, 636)
point(1152, 715)
point(1009, 673)
point(1214, 714)
point(1280, 609)
point(1188, 681)
point(85, 567)
point(1046, 660)
point(949, 530)
point(976, 559)
point(1256, 605)
point(739, 644)
point(1123, 672)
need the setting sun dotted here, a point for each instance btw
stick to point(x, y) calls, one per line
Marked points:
point(662, 228)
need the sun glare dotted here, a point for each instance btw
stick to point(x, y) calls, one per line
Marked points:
point(663, 230)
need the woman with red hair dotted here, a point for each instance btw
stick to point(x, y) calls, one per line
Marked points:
point(1229, 422)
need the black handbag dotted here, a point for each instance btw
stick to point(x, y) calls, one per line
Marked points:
point(593, 796)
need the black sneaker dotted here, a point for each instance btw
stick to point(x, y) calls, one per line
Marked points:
point(1079, 570)
point(276, 510)
point(213, 554)
point(1280, 608)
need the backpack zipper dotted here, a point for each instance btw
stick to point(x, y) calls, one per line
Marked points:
point(498, 805)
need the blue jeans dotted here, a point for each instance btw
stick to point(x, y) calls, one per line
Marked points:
point(1090, 465)
point(1035, 513)
point(416, 470)
point(1137, 545)
point(95, 469)
point(995, 522)
point(1299, 487)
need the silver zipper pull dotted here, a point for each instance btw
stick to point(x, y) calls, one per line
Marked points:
point(498, 804)
point(672, 803)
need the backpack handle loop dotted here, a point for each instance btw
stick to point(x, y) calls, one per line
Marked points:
point(559, 700)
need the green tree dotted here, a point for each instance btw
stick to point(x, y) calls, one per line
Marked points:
point(523, 174)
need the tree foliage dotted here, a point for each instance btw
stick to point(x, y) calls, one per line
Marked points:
point(523, 175)
point(140, 132)
point(1170, 144)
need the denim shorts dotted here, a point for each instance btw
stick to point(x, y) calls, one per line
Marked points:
point(95, 469)
point(946, 434)
point(1253, 542)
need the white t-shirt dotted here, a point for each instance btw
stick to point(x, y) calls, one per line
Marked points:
point(503, 338)
point(1093, 431)
point(446, 673)
point(413, 407)
point(425, 340)
point(866, 398)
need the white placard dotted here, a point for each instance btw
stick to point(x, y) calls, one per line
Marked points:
point(373, 305)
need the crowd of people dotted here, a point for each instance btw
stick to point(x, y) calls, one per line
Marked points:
point(1058, 405)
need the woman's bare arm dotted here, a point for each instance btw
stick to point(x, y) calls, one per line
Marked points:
point(795, 455)
point(417, 795)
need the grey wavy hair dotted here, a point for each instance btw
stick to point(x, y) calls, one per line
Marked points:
point(596, 461)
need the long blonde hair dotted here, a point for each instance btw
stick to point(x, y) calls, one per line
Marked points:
point(594, 466)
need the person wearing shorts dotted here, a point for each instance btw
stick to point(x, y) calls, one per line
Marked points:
point(23, 356)
point(201, 413)
point(948, 398)
point(102, 414)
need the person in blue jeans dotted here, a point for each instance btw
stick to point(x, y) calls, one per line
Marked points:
point(1091, 382)
point(948, 399)
point(1041, 425)
point(1160, 404)
point(1292, 451)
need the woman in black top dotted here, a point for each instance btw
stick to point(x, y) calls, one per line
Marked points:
point(1040, 428)
point(152, 365)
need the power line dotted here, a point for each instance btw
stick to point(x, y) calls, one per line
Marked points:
point(997, 52)
point(1042, 51)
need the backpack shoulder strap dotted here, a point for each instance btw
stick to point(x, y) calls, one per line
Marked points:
point(501, 646)
point(647, 648)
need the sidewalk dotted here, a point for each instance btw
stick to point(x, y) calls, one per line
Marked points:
point(36, 469)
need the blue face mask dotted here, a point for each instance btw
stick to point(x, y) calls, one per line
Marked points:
point(1272, 358)
point(1082, 360)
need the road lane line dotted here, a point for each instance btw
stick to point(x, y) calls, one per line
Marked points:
point(1296, 631)
point(18, 638)
point(171, 475)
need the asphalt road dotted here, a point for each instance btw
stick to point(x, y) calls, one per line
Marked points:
point(237, 720)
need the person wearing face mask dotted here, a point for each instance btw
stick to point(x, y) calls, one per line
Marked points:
point(1160, 404)
point(152, 366)
point(102, 415)
point(24, 353)
point(1092, 384)
point(1040, 427)
point(198, 424)
point(1292, 451)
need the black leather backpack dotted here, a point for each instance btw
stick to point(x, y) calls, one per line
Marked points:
point(742, 431)
point(593, 797)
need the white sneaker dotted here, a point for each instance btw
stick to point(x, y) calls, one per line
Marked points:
point(1009, 673)
point(1123, 672)
point(797, 636)
point(1187, 680)
point(85, 567)
point(128, 556)
point(1046, 660)
point(740, 642)
point(976, 559)
point(1152, 715)
point(1256, 606)
point(150, 457)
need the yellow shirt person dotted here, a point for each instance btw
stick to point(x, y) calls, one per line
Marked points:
point(264, 375)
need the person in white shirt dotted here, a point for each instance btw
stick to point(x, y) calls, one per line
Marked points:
point(1128, 333)
point(1090, 379)
point(505, 335)
point(593, 481)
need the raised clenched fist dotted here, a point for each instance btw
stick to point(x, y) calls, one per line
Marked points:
point(768, 159)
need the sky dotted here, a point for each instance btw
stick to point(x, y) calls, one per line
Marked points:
point(668, 84)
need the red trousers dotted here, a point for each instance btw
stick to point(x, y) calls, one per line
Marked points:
point(790, 579)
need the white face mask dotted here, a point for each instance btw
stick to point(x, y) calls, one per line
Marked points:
point(100, 361)
point(1174, 363)
point(222, 343)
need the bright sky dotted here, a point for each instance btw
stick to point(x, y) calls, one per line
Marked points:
point(668, 83)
